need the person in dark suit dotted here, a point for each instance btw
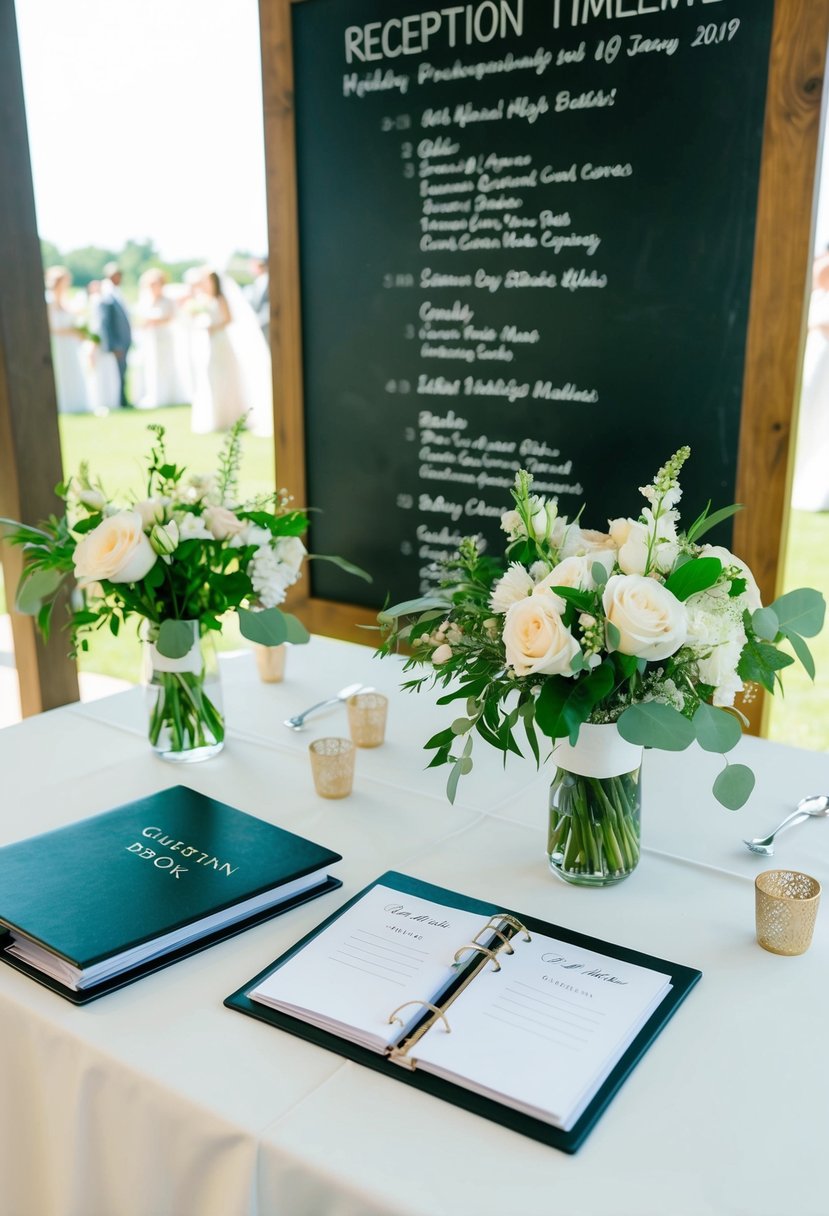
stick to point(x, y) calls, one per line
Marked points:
point(116, 332)
point(258, 296)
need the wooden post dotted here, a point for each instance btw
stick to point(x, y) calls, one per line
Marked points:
point(779, 292)
point(30, 462)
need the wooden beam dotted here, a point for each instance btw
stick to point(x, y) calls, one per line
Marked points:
point(30, 461)
point(780, 284)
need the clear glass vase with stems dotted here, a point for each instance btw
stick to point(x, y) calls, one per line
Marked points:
point(595, 808)
point(184, 695)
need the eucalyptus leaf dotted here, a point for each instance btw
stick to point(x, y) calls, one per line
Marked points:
point(801, 611)
point(461, 725)
point(599, 575)
point(803, 653)
point(267, 627)
point(654, 724)
point(454, 778)
point(295, 631)
point(349, 567)
point(716, 729)
point(36, 587)
point(614, 637)
point(765, 624)
point(733, 786)
point(175, 638)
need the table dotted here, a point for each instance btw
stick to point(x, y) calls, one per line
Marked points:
point(156, 1100)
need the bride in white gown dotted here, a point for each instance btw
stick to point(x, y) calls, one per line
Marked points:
point(67, 336)
point(232, 361)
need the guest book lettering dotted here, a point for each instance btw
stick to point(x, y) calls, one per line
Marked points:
point(526, 236)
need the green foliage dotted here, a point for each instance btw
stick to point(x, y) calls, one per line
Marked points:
point(655, 724)
point(716, 730)
point(734, 785)
point(694, 576)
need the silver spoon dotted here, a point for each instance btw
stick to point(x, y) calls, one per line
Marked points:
point(298, 720)
point(815, 805)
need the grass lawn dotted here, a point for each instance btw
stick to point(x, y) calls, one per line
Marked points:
point(115, 448)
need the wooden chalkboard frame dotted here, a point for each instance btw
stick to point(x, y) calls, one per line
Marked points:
point(776, 328)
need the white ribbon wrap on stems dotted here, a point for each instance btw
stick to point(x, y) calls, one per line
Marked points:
point(600, 752)
point(191, 661)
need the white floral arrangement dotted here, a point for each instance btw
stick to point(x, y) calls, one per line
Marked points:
point(191, 550)
point(641, 625)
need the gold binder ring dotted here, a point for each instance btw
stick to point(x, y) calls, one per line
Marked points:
point(515, 923)
point(426, 1005)
point(493, 958)
point(497, 932)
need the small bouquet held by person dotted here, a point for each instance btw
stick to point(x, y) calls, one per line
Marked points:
point(641, 626)
point(179, 559)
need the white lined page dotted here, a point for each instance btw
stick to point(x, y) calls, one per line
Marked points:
point(543, 1032)
point(389, 948)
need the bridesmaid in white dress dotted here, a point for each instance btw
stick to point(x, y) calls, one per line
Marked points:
point(157, 319)
point(67, 338)
point(811, 476)
point(219, 392)
point(103, 385)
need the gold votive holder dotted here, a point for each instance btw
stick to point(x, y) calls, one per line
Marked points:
point(367, 718)
point(332, 765)
point(270, 663)
point(786, 904)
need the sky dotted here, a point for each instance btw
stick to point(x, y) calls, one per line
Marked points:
point(145, 120)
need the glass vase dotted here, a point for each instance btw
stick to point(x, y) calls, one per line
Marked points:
point(184, 698)
point(594, 808)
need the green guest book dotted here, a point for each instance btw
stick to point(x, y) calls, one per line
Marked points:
point(530, 1024)
point(92, 906)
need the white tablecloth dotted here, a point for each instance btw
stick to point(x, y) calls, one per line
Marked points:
point(157, 1101)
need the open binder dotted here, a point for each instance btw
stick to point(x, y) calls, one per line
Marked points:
point(410, 1038)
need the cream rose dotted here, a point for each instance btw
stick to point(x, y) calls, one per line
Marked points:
point(536, 640)
point(652, 622)
point(631, 539)
point(223, 523)
point(116, 550)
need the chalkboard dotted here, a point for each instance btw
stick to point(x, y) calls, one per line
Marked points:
point(526, 237)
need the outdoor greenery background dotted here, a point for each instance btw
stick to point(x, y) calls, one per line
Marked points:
point(115, 448)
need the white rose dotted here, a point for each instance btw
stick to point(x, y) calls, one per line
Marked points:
point(652, 622)
point(752, 591)
point(116, 550)
point(576, 572)
point(151, 510)
point(513, 586)
point(223, 523)
point(442, 655)
point(536, 640)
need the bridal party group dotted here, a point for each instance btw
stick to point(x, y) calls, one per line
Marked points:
point(203, 341)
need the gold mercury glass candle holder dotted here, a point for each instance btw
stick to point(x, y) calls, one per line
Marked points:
point(786, 905)
point(332, 765)
point(270, 663)
point(367, 718)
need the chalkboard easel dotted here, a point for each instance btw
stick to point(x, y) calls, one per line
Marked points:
point(774, 332)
